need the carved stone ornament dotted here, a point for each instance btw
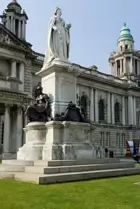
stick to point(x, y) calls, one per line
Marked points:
point(40, 111)
point(5, 39)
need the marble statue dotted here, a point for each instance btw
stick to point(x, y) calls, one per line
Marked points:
point(58, 45)
point(40, 111)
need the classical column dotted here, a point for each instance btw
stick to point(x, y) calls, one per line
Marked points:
point(19, 125)
point(108, 108)
point(21, 75)
point(130, 110)
point(112, 108)
point(123, 110)
point(19, 29)
point(124, 65)
point(23, 29)
point(13, 25)
point(96, 106)
point(6, 143)
point(121, 62)
point(13, 69)
point(134, 111)
point(92, 105)
point(8, 22)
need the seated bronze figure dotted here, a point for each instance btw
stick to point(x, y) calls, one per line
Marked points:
point(40, 111)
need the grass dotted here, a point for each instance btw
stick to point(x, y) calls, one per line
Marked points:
point(119, 193)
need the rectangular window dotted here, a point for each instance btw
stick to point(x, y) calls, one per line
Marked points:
point(123, 140)
point(107, 141)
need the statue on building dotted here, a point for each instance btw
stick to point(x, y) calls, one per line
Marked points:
point(58, 45)
point(40, 111)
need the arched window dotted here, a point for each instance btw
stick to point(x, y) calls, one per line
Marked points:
point(101, 110)
point(117, 112)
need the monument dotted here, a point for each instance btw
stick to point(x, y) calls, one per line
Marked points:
point(58, 129)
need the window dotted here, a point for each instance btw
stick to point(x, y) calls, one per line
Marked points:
point(117, 112)
point(107, 141)
point(101, 110)
point(102, 139)
point(121, 48)
point(126, 47)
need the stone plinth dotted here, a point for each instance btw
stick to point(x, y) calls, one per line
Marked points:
point(35, 139)
point(59, 82)
point(68, 140)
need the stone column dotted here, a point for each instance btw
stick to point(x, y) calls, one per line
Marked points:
point(131, 65)
point(96, 106)
point(130, 110)
point(123, 110)
point(121, 66)
point(13, 25)
point(13, 69)
point(108, 108)
point(6, 143)
point(92, 105)
point(8, 23)
point(124, 65)
point(19, 126)
point(21, 76)
point(134, 111)
point(112, 108)
point(19, 29)
point(23, 30)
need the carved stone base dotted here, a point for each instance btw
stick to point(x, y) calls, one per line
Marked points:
point(69, 140)
point(35, 139)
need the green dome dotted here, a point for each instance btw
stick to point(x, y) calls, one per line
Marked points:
point(125, 34)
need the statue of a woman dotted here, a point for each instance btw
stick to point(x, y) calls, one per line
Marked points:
point(58, 45)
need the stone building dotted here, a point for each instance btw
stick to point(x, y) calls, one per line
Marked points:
point(18, 65)
point(112, 102)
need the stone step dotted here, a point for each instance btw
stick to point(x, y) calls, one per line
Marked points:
point(75, 162)
point(76, 176)
point(6, 175)
point(76, 168)
point(11, 168)
point(18, 162)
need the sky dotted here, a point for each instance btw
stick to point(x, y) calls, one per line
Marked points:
point(96, 25)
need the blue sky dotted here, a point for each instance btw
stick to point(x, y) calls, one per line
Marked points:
point(95, 29)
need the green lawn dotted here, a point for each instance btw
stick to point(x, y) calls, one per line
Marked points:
point(119, 193)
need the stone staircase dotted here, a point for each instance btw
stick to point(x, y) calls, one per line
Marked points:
point(43, 172)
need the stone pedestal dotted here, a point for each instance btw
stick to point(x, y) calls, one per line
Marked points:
point(59, 82)
point(68, 140)
point(35, 139)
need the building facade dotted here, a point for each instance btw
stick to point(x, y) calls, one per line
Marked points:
point(18, 65)
point(112, 102)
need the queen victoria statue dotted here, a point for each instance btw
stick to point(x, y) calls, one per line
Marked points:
point(58, 45)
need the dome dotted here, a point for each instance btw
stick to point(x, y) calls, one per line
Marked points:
point(14, 5)
point(125, 34)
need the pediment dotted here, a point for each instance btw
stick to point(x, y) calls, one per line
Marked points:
point(7, 38)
